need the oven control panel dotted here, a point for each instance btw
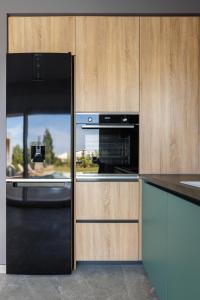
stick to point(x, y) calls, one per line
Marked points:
point(95, 118)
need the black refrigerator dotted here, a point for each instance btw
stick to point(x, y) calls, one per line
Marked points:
point(39, 173)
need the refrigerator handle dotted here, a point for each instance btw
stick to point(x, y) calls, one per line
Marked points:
point(37, 183)
point(40, 185)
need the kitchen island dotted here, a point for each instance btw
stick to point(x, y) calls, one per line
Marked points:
point(171, 237)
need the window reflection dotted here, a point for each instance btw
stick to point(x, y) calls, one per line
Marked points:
point(87, 151)
point(53, 133)
point(14, 146)
point(49, 131)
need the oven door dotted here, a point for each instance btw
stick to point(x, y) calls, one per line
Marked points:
point(107, 149)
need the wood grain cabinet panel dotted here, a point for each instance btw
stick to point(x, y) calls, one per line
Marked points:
point(169, 94)
point(41, 34)
point(106, 241)
point(107, 64)
point(107, 200)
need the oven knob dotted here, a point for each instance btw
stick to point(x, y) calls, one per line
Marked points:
point(124, 119)
point(89, 119)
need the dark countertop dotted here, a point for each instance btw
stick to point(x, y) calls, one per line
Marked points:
point(171, 183)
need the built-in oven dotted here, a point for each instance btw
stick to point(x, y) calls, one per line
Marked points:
point(107, 145)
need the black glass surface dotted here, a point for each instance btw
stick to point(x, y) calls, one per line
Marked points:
point(39, 146)
point(107, 144)
point(39, 114)
point(39, 230)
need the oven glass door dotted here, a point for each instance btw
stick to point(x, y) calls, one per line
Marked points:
point(107, 150)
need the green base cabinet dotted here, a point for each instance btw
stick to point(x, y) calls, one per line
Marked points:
point(183, 249)
point(171, 244)
point(154, 236)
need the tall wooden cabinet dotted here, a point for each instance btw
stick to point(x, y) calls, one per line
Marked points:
point(41, 34)
point(169, 94)
point(107, 64)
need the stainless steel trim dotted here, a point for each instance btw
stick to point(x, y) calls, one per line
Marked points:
point(106, 126)
point(38, 184)
point(107, 113)
point(37, 180)
point(20, 182)
point(106, 177)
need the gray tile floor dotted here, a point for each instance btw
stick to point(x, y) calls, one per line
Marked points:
point(89, 282)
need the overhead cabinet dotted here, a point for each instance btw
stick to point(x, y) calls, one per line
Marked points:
point(41, 34)
point(107, 64)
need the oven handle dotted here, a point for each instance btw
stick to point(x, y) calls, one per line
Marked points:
point(106, 126)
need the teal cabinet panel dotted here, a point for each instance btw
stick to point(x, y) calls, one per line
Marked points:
point(154, 236)
point(171, 244)
point(183, 275)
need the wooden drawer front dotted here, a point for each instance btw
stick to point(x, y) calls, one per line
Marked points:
point(107, 241)
point(107, 200)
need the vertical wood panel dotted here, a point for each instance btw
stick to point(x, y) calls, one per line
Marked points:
point(150, 114)
point(41, 34)
point(169, 94)
point(107, 64)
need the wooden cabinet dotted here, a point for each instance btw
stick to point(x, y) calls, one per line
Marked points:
point(41, 34)
point(106, 241)
point(107, 64)
point(169, 94)
point(107, 200)
point(107, 221)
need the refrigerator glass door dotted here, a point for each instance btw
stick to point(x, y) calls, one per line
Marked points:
point(39, 117)
point(39, 230)
point(39, 174)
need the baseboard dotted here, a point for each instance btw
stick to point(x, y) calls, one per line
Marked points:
point(2, 269)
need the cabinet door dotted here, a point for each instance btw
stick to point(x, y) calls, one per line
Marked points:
point(183, 249)
point(41, 34)
point(106, 241)
point(107, 200)
point(107, 64)
point(169, 94)
point(154, 236)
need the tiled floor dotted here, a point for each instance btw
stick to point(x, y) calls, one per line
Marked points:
point(89, 282)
